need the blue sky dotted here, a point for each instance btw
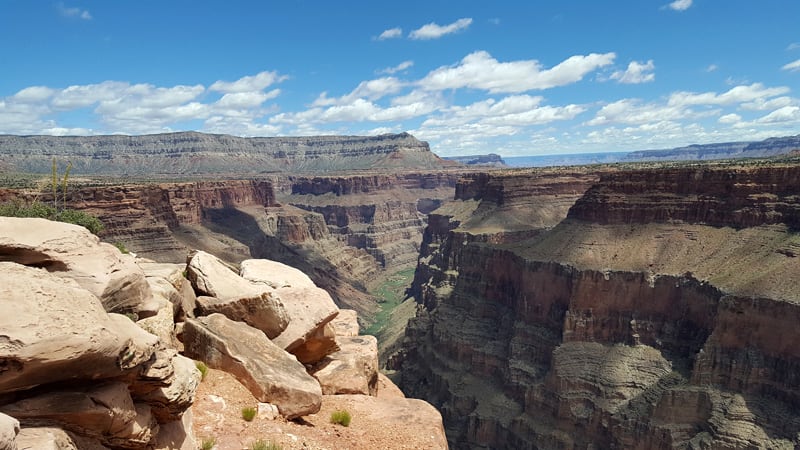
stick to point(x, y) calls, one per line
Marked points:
point(509, 77)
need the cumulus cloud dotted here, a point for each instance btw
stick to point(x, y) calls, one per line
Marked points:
point(251, 83)
point(479, 70)
point(73, 12)
point(792, 66)
point(391, 33)
point(785, 114)
point(398, 68)
point(737, 94)
point(636, 73)
point(680, 5)
point(371, 89)
point(712, 68)
point(730, 119)
point(435, 31)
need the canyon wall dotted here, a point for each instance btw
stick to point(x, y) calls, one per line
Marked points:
point(659, 311)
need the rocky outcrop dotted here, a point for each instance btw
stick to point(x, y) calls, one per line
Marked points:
point(73, 374)
point(629, 322)
point(271, 374)
point(352, 369)
point(191, 153)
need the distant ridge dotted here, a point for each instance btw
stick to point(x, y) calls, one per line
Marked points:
point(490, 160)
point(768, 147)
point(193, 153)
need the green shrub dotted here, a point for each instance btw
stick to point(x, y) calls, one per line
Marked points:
point(87, 221)
point(249, 413)
point(208, 443)
point(203, 368)
point(121, 247)
point(44, 211)
point(341, 417)
point(262, 444)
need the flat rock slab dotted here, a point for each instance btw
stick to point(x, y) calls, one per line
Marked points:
point(73, 252)
point(9, 429)
point(346, 323)
point(269, 372)
point(351, 370)
point(274, 274)
point(310, 309)
point(55, 330)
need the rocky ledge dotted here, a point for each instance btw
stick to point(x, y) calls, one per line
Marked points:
point(96, 344)
point(659, 312)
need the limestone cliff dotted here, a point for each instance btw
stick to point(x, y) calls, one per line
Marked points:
point(197, 154)
point(660, 312)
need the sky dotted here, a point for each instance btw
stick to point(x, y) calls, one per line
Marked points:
point(470, 77)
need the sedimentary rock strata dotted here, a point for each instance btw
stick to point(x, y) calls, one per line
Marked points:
point(655, 314)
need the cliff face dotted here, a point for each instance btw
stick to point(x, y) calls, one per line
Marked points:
point(191, 153)
point(633, 323)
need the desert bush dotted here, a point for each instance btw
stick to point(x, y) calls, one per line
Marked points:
point(249, 413)
point(121, 247)
point(203, 368)
point(262, 444)
point(341, 417)
point(44, 211)
point(208, 443)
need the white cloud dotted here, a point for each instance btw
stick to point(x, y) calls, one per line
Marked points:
point(372, 90)
point(245, 100)
point(785, 114)
point(434, 31)
point(712, 68)
point(762, 104)
point(398, 68)
point(680, 5)
point(730, 119)
point(479, 70)
point(636, 73)
point(738, 94)
point(73, 12)
point(391, 33)
point(793, 46)
point(633, 111)
point(792, 66)
point(251, 83)
point(33, 94)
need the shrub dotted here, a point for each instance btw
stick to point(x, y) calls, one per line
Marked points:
point(44, 211)
point(341, 417)
point(121, 247)
point(249, 413)
point(261, 444)
point(203, 368)
point(208, 443)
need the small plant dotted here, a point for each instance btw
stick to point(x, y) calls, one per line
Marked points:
point(208, 443)
point(262, 444)
point(249, 413)
point(341, 417)
point(121, 247)
point(203, 368)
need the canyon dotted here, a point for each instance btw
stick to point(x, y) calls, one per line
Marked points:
point(651, 308)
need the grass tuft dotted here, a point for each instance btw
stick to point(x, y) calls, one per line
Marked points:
point(341, 417)
point(203, 368)
point(249, 413)
point(208, 443)
point(262, 444)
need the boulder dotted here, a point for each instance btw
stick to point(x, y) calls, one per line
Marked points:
point(105, 412)
point(274, 274)
point(270, 373)
point(73, 252)
point(52, 438)
point(55, 330)
point(211, 277)
point(346, 323)
point(309, 309)
point(351, 370)
point(162, 324)
point(176, 435)
point(263, 311)
point(169, 281)
point(9, 429)
point(387, 388)
point(168, 384)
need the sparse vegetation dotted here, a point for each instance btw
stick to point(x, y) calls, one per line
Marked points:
point(341, 417)
point(121, 247)
point(44, 211)
point(249, 413)
point(262, 444)
point(203, 368)
point(208, 443)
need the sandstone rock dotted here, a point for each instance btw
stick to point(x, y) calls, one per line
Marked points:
point(73, 252)
point(267, 411)
point(387, 388)
point(345, 324)
point(172, 273)
point(263, 311)
point(271, 374)
point(176, 435)
point(9, 429)
point(52, 438)
point(105, 412)
point(274, 274)
point(212, 277)
point(351, 370)
point(309, 309)
point(162, 324)
point(168, 385)
point(55, 330)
